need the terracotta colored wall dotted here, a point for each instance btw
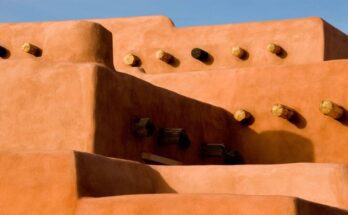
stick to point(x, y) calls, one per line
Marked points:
point(305, 41)
point(94, 111)
point(37, 183)
point(72, 98)
point(70, 41)
point(95, 108)
point(313, 136)
point(46, 106)
point(98, 176)
point(321, 183)
point(203, 204)
point(120, 98)
point(53, 182)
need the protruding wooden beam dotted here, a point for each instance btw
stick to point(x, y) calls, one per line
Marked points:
point(331, 109)
point(131, 60)
point(31, 49)
point(144, 127)
point(241, 115)
point(164, 56)
point(176, 136)
point(282, 111)
point(159, 159)
point(275, 49)
point(233, 157)
point(200, 54)
point(220, 150)
point(213, 150)
point(238, 52)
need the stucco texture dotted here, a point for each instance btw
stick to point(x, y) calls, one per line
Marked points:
point(70, 105)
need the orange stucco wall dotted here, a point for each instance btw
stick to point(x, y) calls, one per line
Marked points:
point(329, 181)
point(37, 183)
point(66, 182)
point(94, 111)
point(87, 111)
point(307, 40)
point(70, 41)
point(95, 108)
point(82, 111)
point(79, 95)
point(312, 137)
point(202, 204)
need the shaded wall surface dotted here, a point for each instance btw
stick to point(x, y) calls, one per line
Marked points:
point(311, 136)
point(66, 182)
point(94, 111)
point(71, 97)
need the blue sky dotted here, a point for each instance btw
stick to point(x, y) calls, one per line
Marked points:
point(182, 12)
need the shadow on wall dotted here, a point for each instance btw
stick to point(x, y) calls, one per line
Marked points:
point(335, 44)
point(344, 119)
point(99, 176)
point(307, 207)
point(121, 97)
point(270, 147)
point(298, 120)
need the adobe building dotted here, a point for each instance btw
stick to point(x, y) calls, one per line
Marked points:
point(136, 116)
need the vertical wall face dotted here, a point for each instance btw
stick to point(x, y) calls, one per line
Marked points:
point(56, 102)
point(304, 41)
point(91, 108)
point(47, 101)
point(72, 41)
point(311, 137)
point(121, 98)
point(62, 100)
point(45, 106)
point(37, 183)
point(70, 97)
point(204, 204)
point(320, 183)
point(99, 176)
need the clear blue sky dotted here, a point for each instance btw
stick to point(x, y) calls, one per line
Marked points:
point(182, 12)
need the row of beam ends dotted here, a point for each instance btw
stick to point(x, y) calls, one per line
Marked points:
point(145, 127)
point(326, 107)
point(133, 60)
point(199, 54)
